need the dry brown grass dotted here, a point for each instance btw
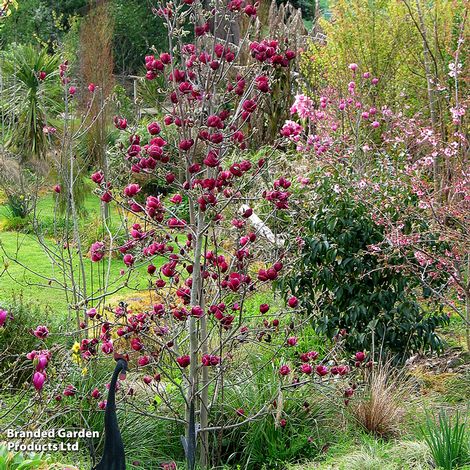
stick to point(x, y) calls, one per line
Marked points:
point(379, 408)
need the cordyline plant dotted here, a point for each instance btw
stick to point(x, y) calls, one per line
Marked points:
point(195, 337)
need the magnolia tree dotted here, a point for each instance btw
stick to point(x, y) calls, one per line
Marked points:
point(195, 337)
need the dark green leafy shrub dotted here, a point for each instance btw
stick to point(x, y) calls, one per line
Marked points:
point(19, 205)
point(136, 30)
point(339, 278)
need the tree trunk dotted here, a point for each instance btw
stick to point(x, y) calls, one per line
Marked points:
point(430, 91)
point(194, 340)
point(467, 305)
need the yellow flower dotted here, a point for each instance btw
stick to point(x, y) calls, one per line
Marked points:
point(76, 348)
point(76, 359)
point(84, 371)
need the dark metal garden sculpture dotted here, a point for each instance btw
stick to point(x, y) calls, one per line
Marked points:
point(113, 456)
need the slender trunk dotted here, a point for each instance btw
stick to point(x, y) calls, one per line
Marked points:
point(191, 399)
point(430, 90)
point(204, 414)
point(102, 149)
point(70, 184)
point(467, 305)
point(467, 320)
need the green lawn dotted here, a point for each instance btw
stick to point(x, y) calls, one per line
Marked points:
point(26, 249)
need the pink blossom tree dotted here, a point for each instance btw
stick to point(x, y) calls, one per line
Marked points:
point(390, 160)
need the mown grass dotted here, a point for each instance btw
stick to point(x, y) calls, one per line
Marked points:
point(26, 268)
point(27, 277)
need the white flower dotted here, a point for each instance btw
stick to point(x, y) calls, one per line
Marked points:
point(454, 69)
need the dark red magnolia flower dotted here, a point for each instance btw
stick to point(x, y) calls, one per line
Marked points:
point(186, 144)
point(176, 199)
point(201, 29)
point(41, 332)
point(250, 10)
point(143, 360)
point(136, 344)
point(312, 355)
point(120, 123)
point(97, 177)
point(210, 360)
point(172, 465)
point(69, 391)
point(173, 222)
point(235, 5)
point(249, 106)
point(293, 302)
point(131, 190)
point(183, 361)
point(212, 159)
point(107, 347)
point(290, 54)
point(248, 213)
point(197, 311)
point(263, 308)
point(165, 58)
point(154, 128)
point(106, 197)
point(128, 259)
point(102, 405)
point(292, 341)
point(360, 356)
point(262, 83)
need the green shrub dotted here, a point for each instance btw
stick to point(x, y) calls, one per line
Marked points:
point(344, 285)
point(16, 339)
point(19, 205)
point(17, 224)
point(18, 461)
point(448, 440)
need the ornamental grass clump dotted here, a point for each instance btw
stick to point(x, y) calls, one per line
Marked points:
point(378, 408)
